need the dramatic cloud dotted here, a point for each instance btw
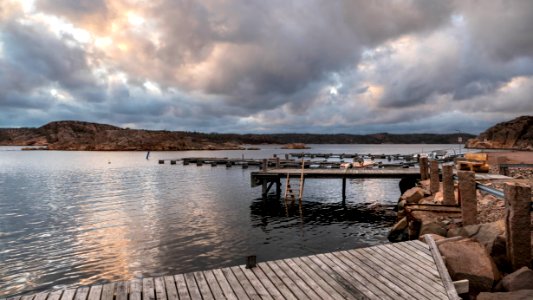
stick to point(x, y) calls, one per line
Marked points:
point(267, 66)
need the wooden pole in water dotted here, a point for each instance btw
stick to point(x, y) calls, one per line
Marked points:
point(343, 188)
point(300, 194)
point(265, 165)
point(278, 187)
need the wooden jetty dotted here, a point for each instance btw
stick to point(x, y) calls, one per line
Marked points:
point(268, 177)
point(407, 270)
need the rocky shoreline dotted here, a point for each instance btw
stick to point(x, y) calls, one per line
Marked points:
point(516, 134)
point(476, 252)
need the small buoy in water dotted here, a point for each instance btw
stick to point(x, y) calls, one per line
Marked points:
point(108, 162)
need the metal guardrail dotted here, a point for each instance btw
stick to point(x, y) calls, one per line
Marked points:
point(492, 191)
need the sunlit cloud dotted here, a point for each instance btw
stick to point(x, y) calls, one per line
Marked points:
point(349, 66)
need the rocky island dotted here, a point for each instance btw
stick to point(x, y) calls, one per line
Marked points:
point(516, 134)
point(85, 136)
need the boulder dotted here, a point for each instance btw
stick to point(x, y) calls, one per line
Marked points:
point(413, 195)
point(491, 236)
point(435, 237)
point(468, 259)
point(486, 234)
point(516, 295)
point(399, 231)
point(521, 279)
point(433, 227)
point(427, 200)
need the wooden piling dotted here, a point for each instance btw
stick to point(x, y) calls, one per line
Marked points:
point(344, 188)
point(277, 162)
point(434, 181)
point(161, 162)
point(265, 165)
point(467, 189)
point(423, 162)
point(278, 187)
point(251, 261)
point(517, 224)
point(448, 188)
point(264, 190)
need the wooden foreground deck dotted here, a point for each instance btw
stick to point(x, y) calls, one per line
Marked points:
point(404, 270)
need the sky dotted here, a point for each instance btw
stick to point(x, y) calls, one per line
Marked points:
point(255, 66)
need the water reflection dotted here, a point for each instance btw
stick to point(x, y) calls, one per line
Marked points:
point(70, 218)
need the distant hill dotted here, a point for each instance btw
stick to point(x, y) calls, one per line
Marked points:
point(516, 134)
point(77, 135)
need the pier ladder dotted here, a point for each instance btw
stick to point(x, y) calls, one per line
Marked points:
point(289, 193)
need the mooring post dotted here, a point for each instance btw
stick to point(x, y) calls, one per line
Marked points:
point(278, 187)
point(467, 189)
point(286, 156)
point(265, 165)
point(517, 224)
point(448, 188)
point(264, 189)
point(343, 188)
point(277, 162)
point(251, 261)
point(423, 162)
point(434, 181)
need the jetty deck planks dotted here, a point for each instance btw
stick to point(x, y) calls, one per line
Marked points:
point(406, 270)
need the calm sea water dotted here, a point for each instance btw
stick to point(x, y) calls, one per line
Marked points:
point(79, 218)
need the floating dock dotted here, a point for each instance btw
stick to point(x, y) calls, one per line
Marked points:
point(407, 270)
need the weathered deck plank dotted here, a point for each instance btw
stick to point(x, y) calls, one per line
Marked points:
point(148, 289)
point(135, 289)
point(263, 280)
point(55, 295)
point(95, 292)
point(213, 285)
point(121, 290)
point(349, 280)
point(170, 285)
point(203, 286)
point(414, 283)
point(255, 283)
point(396, 261)
point(328, 278)
point(194, 291)
point(393, 271)
point(41, 296)
point(67, 294)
